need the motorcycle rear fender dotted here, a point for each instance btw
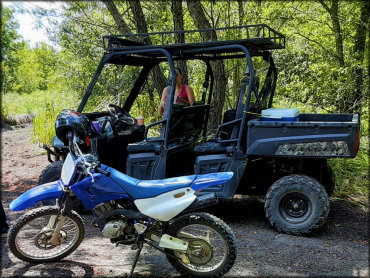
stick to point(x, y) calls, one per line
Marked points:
point(207, 180)
point(51, 190)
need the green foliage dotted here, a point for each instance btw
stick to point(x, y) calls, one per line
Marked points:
point(9, 33)
point(42, 81)
point(52, 104)
point(44, 105)
point(352, 175)
point(35, 70)
point(43, 125)
point(10, 44)
point(24, 69)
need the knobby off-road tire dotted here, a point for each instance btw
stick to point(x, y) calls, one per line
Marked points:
point(296, 204)
point(51, 173)
point(328, 180)
point(219, 233)
point(72, 229)
point(324, 175)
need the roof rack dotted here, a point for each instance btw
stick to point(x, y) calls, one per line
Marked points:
point(256, 38)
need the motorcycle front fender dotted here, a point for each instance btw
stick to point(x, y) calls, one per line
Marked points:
point(51, 190)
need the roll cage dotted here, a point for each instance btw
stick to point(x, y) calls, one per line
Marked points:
point(130, 49)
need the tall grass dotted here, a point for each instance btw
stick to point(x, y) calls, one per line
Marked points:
point(13, 104)
point(44, 105)
point(352, 175)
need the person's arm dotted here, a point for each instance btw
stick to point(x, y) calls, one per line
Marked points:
point(190, 93)
point(163, 101)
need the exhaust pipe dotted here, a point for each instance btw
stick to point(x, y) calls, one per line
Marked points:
point(135, 215)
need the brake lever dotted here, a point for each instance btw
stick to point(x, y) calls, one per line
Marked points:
point(89, 173)
point(89, 165)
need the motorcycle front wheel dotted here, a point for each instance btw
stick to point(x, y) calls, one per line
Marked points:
point(212, 246)
point(29, 237)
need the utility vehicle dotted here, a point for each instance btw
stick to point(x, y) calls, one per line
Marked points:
point(283, 158)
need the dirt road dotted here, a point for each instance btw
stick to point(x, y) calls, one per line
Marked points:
point(339, 249)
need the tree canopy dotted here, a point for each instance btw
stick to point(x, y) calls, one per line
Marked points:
point(323, 68)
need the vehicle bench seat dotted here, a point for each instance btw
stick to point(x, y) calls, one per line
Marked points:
point(213, 147)
point(187, 122)
point(186, 125)
point(144, 146)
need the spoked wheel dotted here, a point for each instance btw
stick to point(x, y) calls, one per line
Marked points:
point(30, 238)
point(212, 246)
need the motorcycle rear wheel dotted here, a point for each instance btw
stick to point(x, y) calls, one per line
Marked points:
point(212, 245)
point(29, 237)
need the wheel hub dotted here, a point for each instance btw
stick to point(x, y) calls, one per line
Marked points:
point(295, 205)
point(200, 252)
point(42, 240)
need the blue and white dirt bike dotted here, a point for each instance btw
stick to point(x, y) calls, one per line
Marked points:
point(129, 212)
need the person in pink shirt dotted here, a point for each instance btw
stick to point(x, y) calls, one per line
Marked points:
point(183, 93)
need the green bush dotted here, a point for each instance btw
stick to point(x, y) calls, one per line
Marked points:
point(352, 175)
point(43, 124)
point(44, 105)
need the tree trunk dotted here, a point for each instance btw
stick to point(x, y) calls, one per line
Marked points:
point(159, 81)
point(121, 24)
point(353, 101)
point(333, 12)
point(359, 54)
point(197, 13)
point(139, 19)
point(236, 71)
point(156, 75)
point(241, 12)
point(178, 24)
point(337, 32)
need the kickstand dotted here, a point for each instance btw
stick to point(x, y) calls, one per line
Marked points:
point(136, 259)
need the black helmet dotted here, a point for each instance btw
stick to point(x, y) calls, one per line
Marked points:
point(74, 121)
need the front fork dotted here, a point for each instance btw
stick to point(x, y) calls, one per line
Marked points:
point(56, 233)
point(56, 222)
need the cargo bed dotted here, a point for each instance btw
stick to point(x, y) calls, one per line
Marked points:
point(312, 135)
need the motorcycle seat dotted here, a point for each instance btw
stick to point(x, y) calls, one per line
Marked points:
point(141, 189)
point(152, 188)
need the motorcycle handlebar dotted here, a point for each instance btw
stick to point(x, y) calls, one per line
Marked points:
point(101, 171)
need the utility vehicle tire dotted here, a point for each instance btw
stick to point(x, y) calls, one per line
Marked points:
point(208, 231)
point(29, 240)
point(328, 180)
point(296, 204)
point(51, 173)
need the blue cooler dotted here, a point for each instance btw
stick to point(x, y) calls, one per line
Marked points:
point(280, 114)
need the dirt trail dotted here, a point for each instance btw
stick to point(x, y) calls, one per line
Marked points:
point(339, 249)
